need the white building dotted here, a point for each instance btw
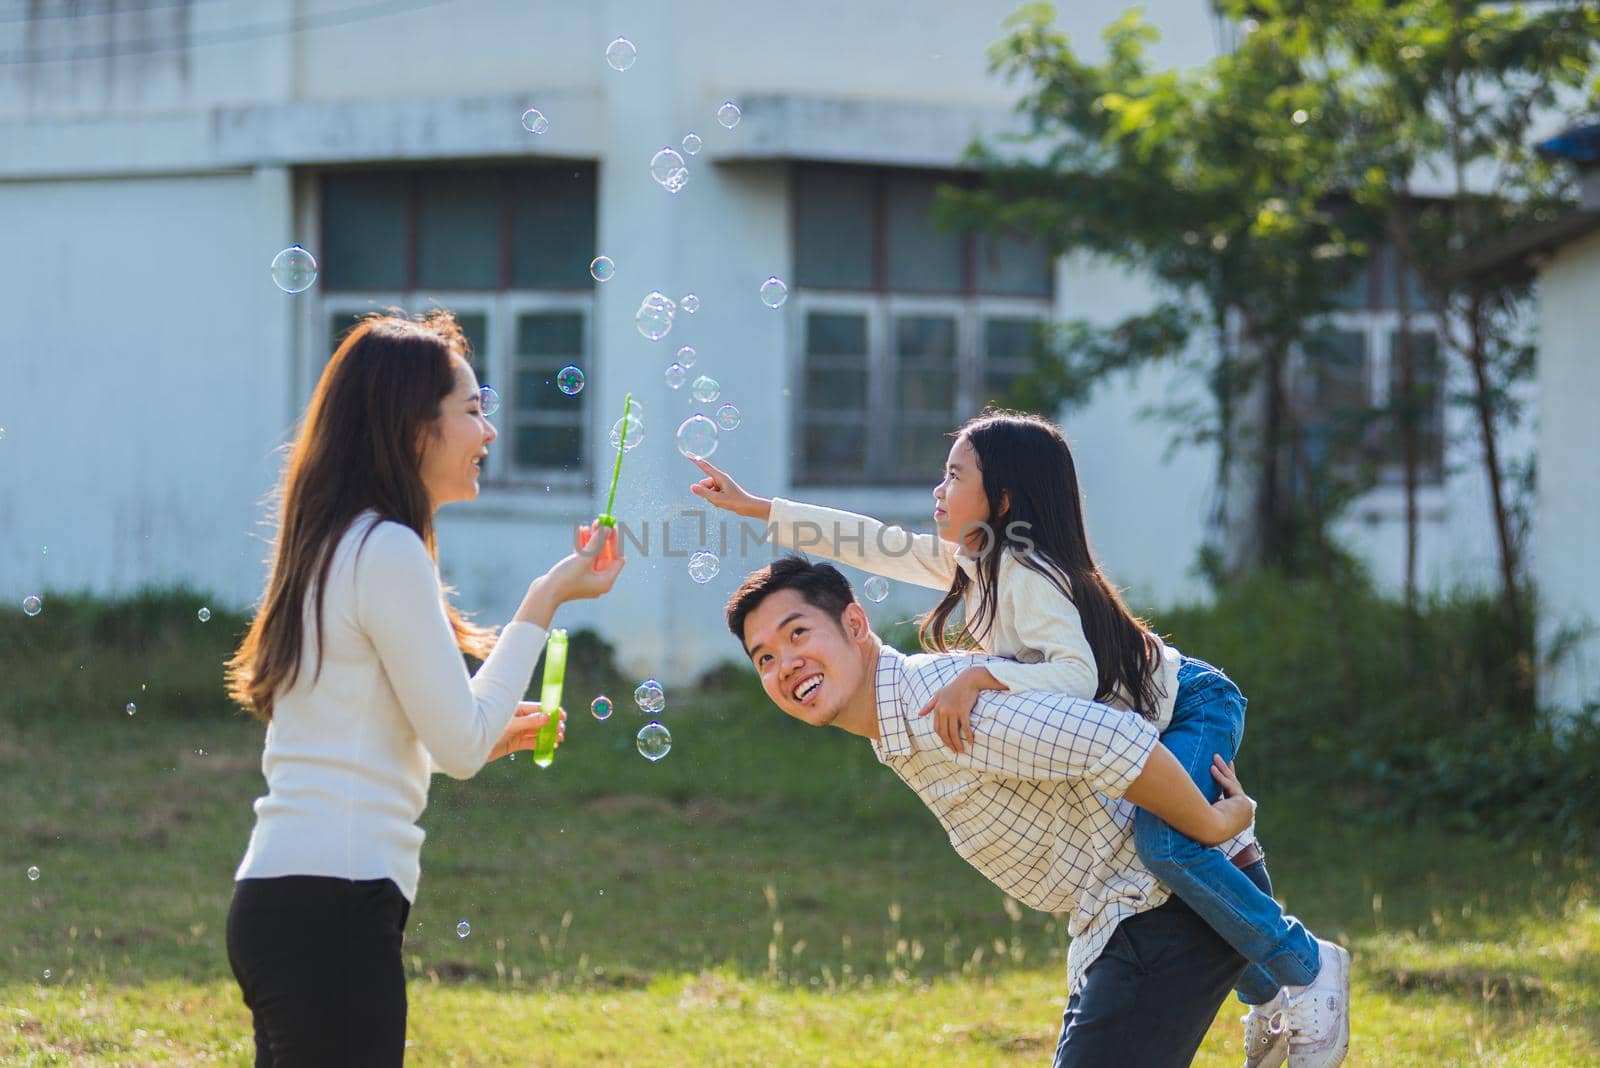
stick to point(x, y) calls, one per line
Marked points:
point(153, 160)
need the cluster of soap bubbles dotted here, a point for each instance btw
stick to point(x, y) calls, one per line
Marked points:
point(628, 432)
point(705, 389)
point(653, 740)
point(654, 317)
point(668, 169)
point(703, 566)
point(534, 122)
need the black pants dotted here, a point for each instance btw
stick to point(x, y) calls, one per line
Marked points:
point(318, 961)
point(1150, 996)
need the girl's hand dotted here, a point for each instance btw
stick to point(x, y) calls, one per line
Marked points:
point(723, 492)
point(952, 713)
point(1236, 809)
point(523, 730)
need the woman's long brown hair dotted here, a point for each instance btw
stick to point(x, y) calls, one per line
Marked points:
point(357, 449)
point(1036, 511)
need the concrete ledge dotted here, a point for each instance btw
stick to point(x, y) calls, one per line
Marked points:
point(347, 131)
point(844, 130)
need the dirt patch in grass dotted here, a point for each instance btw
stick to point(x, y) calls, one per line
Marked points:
point(1479, 984)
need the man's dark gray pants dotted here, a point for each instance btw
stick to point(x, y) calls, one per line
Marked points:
point(1150, 996)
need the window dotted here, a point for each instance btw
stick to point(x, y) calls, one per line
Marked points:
point(905, 330)
point(507, 249)
point(1350, 392)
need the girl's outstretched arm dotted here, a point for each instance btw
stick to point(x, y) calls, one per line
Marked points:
point(857, 540)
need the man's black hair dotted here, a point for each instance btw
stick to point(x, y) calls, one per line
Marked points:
point(822, 585)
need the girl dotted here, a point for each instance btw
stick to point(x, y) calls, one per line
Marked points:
point(1013, 556)
point(354, 663)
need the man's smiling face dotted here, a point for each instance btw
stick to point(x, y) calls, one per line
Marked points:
point(810, 663)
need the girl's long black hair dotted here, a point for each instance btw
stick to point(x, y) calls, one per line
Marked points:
point(1036, 511)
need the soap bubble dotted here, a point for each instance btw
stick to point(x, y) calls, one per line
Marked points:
point(667, 165)
point(600, 708)
point(692, 143)
point(687, 355)
point(774, 292)
point(675, 375)
point(33, 874)
point(729, 114)
point(131, 708)
point(463, 929)
point(204, 615)
point(728, 417)
point(294, 269)
point(690, 303)
point(601, 268)
point(32, 605)
point(621, 53)
point(533, 121)
point(635, 427)
point(654, 741)
point(697, 437)
point(654, 318)
point(569, 380)
point(876, 588)
point(47, 973)
point(703, 566)
point(488, 400)
point(650, 697)
point(705, 389)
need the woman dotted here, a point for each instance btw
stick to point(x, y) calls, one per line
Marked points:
point(354, 662)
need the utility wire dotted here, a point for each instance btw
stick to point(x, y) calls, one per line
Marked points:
point(152, 45)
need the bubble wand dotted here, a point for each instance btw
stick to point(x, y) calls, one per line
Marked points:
point(607, 551)
point(555, 673)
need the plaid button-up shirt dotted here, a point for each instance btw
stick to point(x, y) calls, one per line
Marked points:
point(1035, 803)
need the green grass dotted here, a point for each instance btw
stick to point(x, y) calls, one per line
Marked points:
point(765, 895)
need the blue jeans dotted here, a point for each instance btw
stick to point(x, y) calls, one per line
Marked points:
point(1209, 718)
point(1149, 998)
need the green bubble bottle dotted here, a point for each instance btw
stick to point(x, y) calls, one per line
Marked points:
point(555, 673)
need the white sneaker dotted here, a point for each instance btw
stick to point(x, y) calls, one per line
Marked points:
point(1266, 1033)
point(1319, 1013)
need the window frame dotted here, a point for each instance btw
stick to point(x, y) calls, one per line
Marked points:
point(1378, 326)
point(501, 311)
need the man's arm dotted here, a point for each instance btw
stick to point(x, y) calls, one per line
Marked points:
point(1051, 737)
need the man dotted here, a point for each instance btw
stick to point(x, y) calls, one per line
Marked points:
point(1041, 802)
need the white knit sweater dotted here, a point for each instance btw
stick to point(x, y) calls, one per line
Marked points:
point(350, 750)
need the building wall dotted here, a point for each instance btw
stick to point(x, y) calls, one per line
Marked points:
point(1567, 517)
point(156, 369)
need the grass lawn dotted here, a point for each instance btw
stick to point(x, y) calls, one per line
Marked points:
point(767, 894)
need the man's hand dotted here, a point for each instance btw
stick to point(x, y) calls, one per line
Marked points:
point(523, 730)
point(723, 492)
point(1236, 809)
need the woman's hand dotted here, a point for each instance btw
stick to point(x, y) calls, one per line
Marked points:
point(573, 578)
point(1236, 809)
point(723, 492)
point(523, 730)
